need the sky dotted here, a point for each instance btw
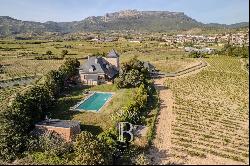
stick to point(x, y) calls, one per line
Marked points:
point(206, 11)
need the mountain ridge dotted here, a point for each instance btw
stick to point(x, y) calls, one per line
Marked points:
point(125, 20)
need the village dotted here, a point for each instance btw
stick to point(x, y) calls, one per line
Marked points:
point(238, 38)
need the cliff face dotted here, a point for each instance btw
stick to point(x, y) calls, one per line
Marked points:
point(138, 21)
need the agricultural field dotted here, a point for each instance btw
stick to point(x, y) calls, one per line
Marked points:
point(18, 57)
point(22, 54)
point(212, 112)
point(164, 59)
point(15, 67)
point(173, 65)
point(81, 49)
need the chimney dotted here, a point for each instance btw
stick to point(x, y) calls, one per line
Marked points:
point(88, 57)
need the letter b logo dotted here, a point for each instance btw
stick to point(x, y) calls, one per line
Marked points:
point(125, 131)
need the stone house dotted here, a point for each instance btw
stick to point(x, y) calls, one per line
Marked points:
point(99, 70)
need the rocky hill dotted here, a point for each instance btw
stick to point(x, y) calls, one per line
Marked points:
point(127, 20)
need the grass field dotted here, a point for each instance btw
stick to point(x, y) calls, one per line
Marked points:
point(90, 121)
point(212, 111)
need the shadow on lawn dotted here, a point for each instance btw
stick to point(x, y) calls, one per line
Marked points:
point(62, 112)
point(95, 130)
point(61, 109)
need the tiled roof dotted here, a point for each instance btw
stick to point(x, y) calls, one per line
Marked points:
point(96, 65)
point(112, 54)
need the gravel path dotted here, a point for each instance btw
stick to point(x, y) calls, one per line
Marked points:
point(159, 153)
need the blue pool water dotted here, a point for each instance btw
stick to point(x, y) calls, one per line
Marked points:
point(95, 102)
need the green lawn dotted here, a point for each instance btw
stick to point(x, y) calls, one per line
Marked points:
point(91, 121)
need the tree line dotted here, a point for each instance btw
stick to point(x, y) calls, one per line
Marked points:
point(236, 51)
point(17, 120)
point(49, 55)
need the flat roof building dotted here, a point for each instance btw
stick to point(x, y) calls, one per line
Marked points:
point(67, 129)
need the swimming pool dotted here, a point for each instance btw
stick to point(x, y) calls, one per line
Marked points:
point(94, 102)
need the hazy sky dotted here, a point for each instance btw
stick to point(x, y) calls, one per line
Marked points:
point(206, 11)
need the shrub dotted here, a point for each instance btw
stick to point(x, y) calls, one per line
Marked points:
point(48, 52)
point(132, 74)
point(89, 150)
point(109, 137)
point(46, 57)
point(13, 138)
point(141, 159)
point(64, 52)
point(196, 54)
point(39, 158)
point(236, 51)
point(1, 68)
point(49, 148)
point(50, 143)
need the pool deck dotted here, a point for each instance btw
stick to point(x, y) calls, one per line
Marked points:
point(74, 108)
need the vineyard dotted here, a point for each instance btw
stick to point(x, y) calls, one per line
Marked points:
point(18, 73)
point(14, 68)
point(211, 110)
point(18, 51)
